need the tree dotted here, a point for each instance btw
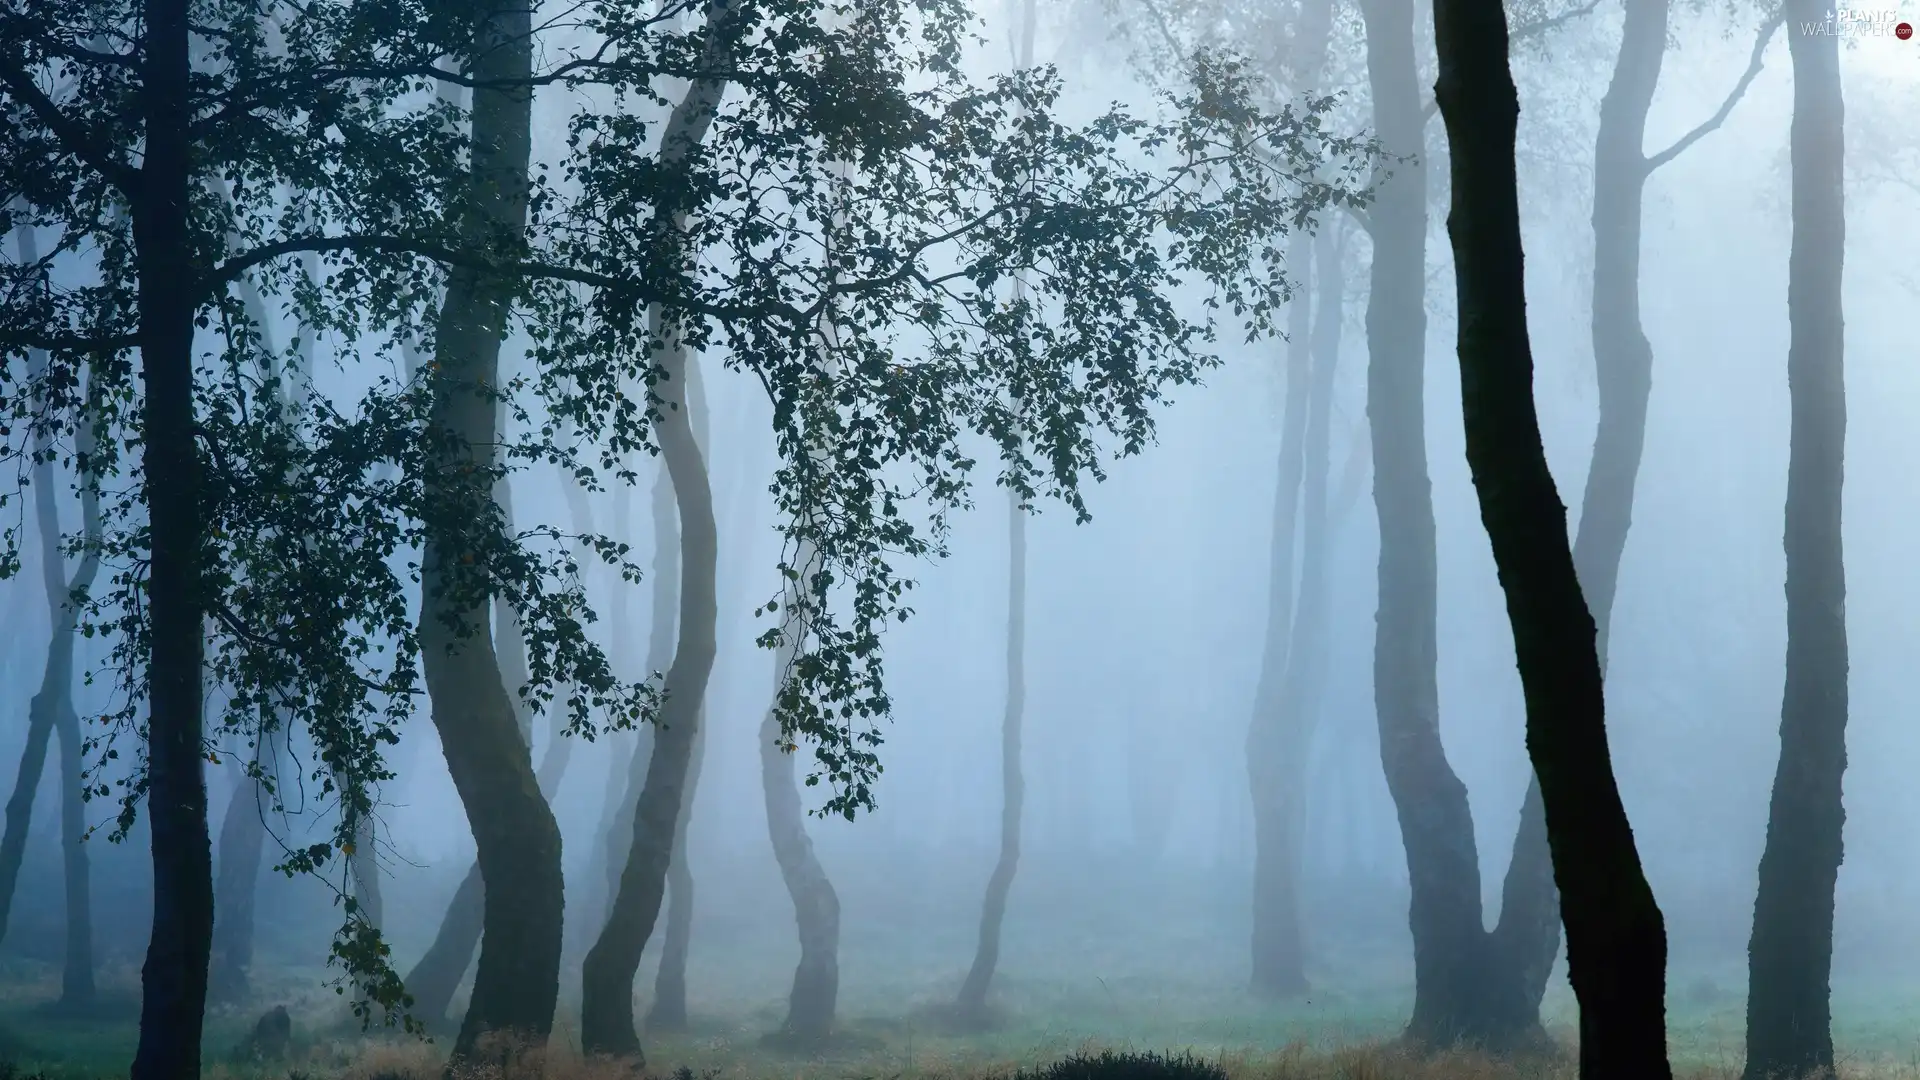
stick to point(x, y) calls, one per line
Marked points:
point(1790, 956)
point(1623, 364)
point(51, 712)
point(1616, 940)
point(294, 542)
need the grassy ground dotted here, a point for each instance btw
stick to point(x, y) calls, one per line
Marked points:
point(1338, 1035)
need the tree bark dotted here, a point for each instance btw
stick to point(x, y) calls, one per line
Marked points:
point(1616, 939)
point(1790, 956)
point(606, 1021)
point(174, 977)
point(669, 1009)
point(516, 985)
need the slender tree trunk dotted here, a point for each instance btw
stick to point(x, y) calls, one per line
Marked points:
point(1528, 936)
point(1790, 956)
point(51, 710)
point(1274, 773)
point(816, 907)
point(243, 834)
point(174, 977)
point(77, 990)
point(1615, 934)
point(517, 983)
point(669, 1009)
point(1278, 969)
point(1454, 988)
point(971, 1005)
point(606, 1022)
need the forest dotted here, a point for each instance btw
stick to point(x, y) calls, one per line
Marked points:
point(937, 540)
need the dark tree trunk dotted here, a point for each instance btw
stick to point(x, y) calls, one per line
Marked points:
point(1790, 957)
point(1616, 940)
point(516, 985)
point(606, 1020)
point(971, 1005)
point(243, 835)
point(174, 977)
point(1528, 936)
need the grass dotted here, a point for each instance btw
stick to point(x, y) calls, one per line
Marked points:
point(1340, 1034)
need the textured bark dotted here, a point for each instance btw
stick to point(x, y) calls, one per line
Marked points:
point(1790, 956)
point(1616, 940)
point(174, 977)
point(243, 835)
point(516, 985)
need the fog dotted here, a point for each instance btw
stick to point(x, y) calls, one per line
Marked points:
point(1130, 916)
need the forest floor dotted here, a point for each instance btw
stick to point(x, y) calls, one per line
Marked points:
point(894, 1034)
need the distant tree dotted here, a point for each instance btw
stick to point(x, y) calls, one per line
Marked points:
point(1616, 940)
point(1790, 956)
point(51, 713)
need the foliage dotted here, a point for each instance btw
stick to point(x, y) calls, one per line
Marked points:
point(330, 180)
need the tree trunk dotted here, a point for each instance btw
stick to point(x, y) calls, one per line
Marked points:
point(517, 982)
point(1790, 957)
point(816, 907)
point(606, 1021)
point(1458, 997)
point(437, 976)
point(51, 710)
point(972, 1003)
point(669, 1009)
point(1274, 772)
point(1278, 969)
point(1616, 940)
point(174, 977)
point(243, 834)
point(1528, 936)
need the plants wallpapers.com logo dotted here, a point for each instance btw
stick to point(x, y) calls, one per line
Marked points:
point(1860, 22)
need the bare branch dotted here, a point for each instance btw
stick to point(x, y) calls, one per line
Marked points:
point(1733, 98)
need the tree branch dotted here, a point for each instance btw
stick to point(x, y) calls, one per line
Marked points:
point(70, 135)
point(1733, 98)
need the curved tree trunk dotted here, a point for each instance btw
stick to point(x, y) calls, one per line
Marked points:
point(1790, 956)
point(1615, 934)
point(606, 1022)
point(516, 986)
point(816, 907)
point(669, 1009)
